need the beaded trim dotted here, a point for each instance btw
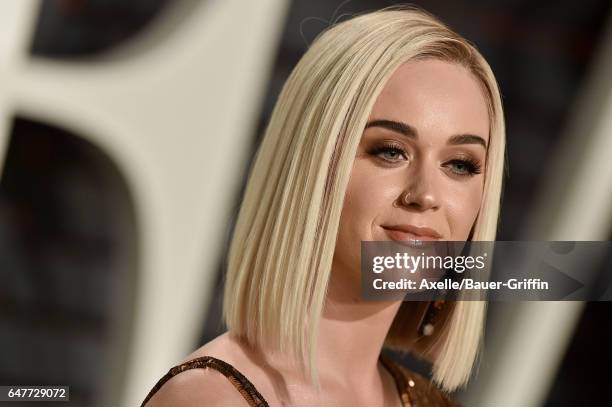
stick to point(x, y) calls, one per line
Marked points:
point(414, 390)
point(240, 382)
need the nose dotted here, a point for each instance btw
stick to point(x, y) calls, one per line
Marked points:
point(420, 193)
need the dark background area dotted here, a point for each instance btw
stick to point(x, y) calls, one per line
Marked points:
point(59, 231)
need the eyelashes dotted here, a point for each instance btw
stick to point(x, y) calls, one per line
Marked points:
point(392, 153)
point(467, 166)
point(389, 151)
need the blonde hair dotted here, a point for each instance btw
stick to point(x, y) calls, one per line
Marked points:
point(284, 240)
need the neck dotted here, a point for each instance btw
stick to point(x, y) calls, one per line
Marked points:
point(351, 336)
point(352, 333)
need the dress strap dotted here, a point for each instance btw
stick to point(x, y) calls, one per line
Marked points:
point(400, 379)
point(240, 382)
point(414, 389)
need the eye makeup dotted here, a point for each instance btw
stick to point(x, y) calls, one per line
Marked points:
point(393, 153)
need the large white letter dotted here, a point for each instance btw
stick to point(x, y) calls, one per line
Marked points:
point(174, 110)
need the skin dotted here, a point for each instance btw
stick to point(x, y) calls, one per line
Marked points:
point(437, 100)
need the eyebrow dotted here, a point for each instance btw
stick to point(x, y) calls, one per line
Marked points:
point(409, 131)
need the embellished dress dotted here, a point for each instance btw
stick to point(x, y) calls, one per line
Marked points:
point(414, 389)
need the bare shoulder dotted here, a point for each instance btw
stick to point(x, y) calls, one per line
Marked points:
point(223, 347)
point(208, 386)
point(197, 388)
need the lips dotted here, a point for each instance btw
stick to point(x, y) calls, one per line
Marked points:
point(411, 232)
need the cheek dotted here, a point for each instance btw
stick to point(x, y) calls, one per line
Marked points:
point(368, 195)
point(463, 206)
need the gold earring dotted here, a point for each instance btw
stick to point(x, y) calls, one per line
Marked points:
point(428, 324)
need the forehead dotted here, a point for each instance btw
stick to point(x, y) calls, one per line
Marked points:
point(437, 98)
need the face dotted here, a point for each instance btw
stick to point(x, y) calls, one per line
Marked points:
point(419, 168)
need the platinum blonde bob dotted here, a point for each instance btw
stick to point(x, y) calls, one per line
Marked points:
point(281, 251)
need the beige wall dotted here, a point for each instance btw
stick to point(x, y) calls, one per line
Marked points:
point(175, 110)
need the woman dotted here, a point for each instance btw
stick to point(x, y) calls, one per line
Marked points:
point(389, 128)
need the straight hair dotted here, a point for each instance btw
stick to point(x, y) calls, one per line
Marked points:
point(284, 240)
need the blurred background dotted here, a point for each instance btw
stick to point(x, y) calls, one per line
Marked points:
point(127, 130)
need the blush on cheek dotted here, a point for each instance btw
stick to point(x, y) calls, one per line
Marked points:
point(462, 211)
point(360, 207)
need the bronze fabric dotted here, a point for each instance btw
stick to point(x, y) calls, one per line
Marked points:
point(414, 389)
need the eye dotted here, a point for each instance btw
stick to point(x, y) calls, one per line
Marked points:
point(389, 152)
point(466, 167)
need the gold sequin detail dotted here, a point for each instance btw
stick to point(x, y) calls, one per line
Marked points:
point(414, 389)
